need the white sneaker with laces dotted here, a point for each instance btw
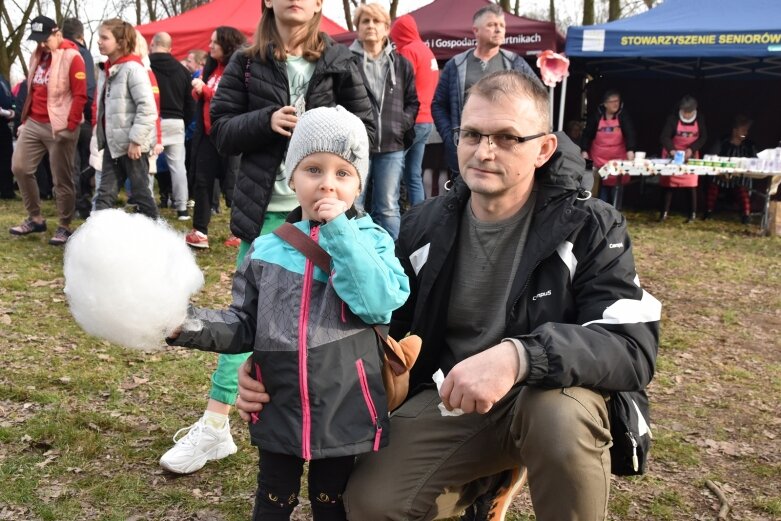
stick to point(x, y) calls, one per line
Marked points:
point(201, 444)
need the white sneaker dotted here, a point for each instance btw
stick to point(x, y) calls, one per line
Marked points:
point(201, 444)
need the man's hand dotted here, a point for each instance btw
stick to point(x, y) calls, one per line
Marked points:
point(329, 208)
point(284, 120)
point(477, 383)
point(159, 148)
point(252, 394)
point(134, 151)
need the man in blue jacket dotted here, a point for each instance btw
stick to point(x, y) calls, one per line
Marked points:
point(465, 69)
point(525, 294)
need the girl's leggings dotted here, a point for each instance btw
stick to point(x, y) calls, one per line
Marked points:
point(279, 481)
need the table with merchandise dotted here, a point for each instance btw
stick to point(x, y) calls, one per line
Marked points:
point(767, 164)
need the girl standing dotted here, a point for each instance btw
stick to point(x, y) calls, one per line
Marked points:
point(126, 118)
point(209, 163)
point(307, 328)
point(290, 67)
point(684, 131)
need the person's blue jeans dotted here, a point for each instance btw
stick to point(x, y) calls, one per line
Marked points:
point(413, 164)
point(385, 171)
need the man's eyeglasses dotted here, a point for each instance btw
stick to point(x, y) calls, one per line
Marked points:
point(472, 138)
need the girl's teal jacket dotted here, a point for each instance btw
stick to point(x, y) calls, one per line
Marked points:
point(308, 331)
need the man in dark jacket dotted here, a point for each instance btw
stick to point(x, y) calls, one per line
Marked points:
point(73, 30)
point(390, 80)
point(525, 294)
point(176, 108)
point(465, 69)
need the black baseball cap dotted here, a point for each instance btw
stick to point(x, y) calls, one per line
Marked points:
point(41, 27)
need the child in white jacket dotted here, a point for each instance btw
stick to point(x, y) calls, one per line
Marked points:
point(126, 118)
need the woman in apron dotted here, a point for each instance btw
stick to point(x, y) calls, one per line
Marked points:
point(684, 131)
point(609, 135)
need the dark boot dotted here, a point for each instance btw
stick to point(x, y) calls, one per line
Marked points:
point(692, 218)
point(662, 217)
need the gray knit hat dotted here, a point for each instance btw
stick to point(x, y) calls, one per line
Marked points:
point(329, 129)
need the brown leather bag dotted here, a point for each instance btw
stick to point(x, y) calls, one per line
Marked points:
point(399, 357)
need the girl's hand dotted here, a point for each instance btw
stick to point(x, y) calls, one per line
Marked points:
point(175, 333)
point(630, 155)
point(688, 153)
point(329, 208)
point(198, 84)
point(134, 151)
point(284, 120)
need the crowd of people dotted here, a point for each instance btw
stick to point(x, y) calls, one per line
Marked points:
point(522, 287)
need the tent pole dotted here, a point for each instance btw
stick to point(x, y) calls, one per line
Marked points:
point(562, 101)
point(550, 104)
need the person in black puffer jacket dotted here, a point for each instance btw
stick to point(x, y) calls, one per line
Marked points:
point(256, 85)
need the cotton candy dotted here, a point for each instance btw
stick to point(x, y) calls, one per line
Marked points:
point(129, 279)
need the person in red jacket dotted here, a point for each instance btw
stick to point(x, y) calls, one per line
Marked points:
point(52, 113)
point(404, 33)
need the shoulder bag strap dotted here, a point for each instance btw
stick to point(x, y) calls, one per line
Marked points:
point(321, 258)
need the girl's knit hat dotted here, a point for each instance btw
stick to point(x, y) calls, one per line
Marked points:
point(329, 129)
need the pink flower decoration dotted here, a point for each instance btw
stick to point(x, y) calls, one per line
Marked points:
point(554, 67)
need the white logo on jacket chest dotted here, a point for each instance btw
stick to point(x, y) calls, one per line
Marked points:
point(541, 295)
point(615, 245)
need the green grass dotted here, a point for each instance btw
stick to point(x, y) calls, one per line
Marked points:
point(79, 442)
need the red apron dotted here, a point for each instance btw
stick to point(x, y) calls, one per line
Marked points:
point(608, 145)
point(685, 135)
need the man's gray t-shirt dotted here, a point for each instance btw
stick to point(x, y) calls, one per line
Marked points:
point(487, 257)
point(477, 68)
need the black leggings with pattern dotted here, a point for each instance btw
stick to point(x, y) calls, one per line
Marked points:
point(279, 481)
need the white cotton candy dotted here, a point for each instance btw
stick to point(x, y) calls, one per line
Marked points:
point(129, 279)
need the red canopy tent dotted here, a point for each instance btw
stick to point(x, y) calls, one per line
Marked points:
point(446, 27)
point(193, 29)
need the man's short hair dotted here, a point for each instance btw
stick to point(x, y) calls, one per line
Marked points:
point(495, 9)
point(374, 10)
point(514, 84)
point(72, 28)
point(162, 40)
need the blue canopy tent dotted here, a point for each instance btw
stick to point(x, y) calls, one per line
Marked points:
point(686, 38)
point(726, 53)
point(709, 48)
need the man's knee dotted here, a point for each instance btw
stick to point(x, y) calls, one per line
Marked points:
point(369, 497)
point(558, 425)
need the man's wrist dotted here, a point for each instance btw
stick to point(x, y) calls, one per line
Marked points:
point(523, 358)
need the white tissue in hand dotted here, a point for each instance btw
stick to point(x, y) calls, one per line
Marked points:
point(438, 378)
point(129, 279)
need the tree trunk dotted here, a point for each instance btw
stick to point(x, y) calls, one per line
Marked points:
point(505, 5)
point(588, 12)
point(614, 10)
point(393, 7)
point(348, 15)
point(649, 3)
point(552, 11)
point(151, 9)
point(11, 48)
